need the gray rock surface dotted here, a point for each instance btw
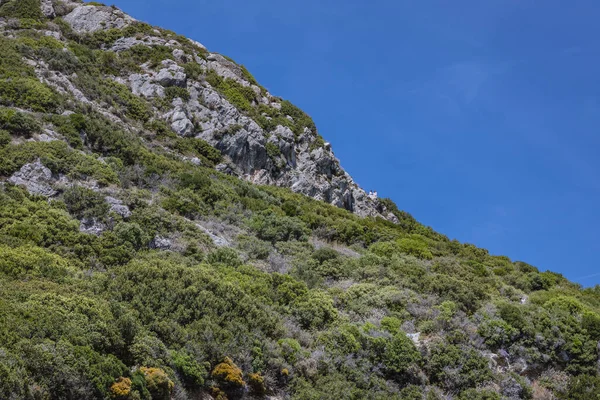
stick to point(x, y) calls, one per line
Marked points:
point(36, 178)
point(118, 207)
point(171, 75)
point(142, 85)
point(298, 164)
point(89, 19)
point(217, 240)
point(161, 243)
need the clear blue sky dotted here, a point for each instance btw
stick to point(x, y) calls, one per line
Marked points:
point(480, 118)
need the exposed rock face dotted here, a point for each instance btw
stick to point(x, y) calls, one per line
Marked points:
point(276, 157)
point(94, 18)
point(36, 178)
point(171, 75)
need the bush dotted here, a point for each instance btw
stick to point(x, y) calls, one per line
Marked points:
point(315, 310)
point(277, 228)
point(400, 355)
point(415, 245)
point(273, 150)
point(18, 123)
point(32, 261)
point(85, 203)
point(173, 92)
point(29, 9)
point(454, 368)
point(5, 138)
point(226, 256)
point(192, 372)
point(228, 375)
point(158, 383)
point(28, 93)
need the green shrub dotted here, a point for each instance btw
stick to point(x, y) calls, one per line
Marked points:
point(273, 150)
point(5, 138)
point(415, 245)
point(454, 368)
point(226, 256)
point(483, 394)
point(32, 261)
point(276, 228)
point(85, 203)
point(173, 92)
point(29, 9)
point(315, 311)
point(401, 354)
point(28, 93)
point(18, 123)
point(193, 71)
point(193, 372)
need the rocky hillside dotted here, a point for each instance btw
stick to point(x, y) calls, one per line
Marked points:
point(205, 95)
point(171, 230)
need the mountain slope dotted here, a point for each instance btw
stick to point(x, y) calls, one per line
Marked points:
point(169, 229)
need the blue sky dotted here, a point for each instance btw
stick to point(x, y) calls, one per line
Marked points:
point(480, 118)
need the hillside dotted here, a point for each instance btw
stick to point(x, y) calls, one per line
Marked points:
point(169, 229)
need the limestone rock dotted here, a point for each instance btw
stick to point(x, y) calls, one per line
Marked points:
point(141, 85)
point(171, 75)
point(36, 178)
point(161, 243)
point(94, 18)
point(118, 207)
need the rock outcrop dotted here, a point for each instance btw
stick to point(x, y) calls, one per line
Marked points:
point(86, 18)
point(36, 178)
point(297, 159)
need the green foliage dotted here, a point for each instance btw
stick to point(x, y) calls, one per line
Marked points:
point(584, 387)
point(275, 228)
point(194, 373)
point(474, 394)
point(32, 261)
point(401, 354)
point(315, 310)
point(454, 368)
point(29, 9)
point(273, 150)
point(301, 119)
point(193, 71)
point(114, 94)
point(240, 96)
point(415, 245)
point(173, 92)
point(225, 256)
point(18, 123)
point(5, 138)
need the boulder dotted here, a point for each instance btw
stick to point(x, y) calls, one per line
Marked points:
point(171, 75)
point(36, 178)
point(118, 207)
